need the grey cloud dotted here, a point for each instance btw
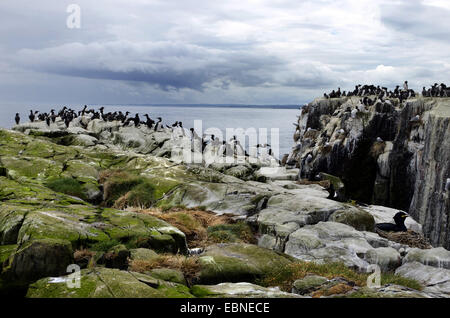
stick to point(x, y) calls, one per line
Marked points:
point(167, 65)
point(418, 19)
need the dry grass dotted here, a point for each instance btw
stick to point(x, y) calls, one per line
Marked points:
point(189, 266)
point(334, 290)
point(84, 256)
point(192, 222)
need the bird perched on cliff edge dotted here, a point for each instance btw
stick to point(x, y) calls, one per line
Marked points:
point(399, 225)
point(17, 118)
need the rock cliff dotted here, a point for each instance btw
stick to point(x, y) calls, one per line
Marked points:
point(391, 154)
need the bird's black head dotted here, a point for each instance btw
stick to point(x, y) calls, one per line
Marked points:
point(400, 217)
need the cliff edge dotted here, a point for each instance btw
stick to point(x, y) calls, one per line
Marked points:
point(390, 153)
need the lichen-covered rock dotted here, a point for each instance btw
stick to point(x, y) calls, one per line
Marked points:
point(107, 283)
point(286, 213)
point(238, 290)
point(437, 257)
point(243, 172)
point(329, 242)
point(169, 275)
point(386, 257)
point(36, 259)
point(33, 216)
point(387, 291)
point(238, 262)
point(142, 254)
point(357, 218)
point(308, 284)
point(436, 280)
point(277, 173)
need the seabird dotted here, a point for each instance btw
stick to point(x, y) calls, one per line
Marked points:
point(149, 121)
point(379, 139)
point(399, 225)
point(17, 118)
point(31, 116)
point(157, 123)
point(447, 185)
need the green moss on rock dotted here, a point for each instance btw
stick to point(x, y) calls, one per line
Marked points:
point(357, 218)
point(238, 262)
point(108, 283)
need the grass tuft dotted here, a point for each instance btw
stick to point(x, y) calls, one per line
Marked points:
point(285, 276)
point(189, 266)
point(104, 246)
point(231, 233)
point(67, 186)
point(122, 189)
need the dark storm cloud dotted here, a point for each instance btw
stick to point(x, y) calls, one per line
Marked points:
point(258, 51)
point(167, 65)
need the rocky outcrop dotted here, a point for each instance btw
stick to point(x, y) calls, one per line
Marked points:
point(107, 283)
point(436, 280)
point(41, 219)
point(388, 154)
point(239, 290)
point(238, 262)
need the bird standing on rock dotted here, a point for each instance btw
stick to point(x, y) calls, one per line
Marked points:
point(17, 118)
point(31, 116)
point(399, 225)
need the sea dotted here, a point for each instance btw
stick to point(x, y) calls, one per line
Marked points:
point(273, 124)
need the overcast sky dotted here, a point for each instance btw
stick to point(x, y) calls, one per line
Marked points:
point(227, 51)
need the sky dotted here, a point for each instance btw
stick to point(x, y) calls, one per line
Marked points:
point(217, 52)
